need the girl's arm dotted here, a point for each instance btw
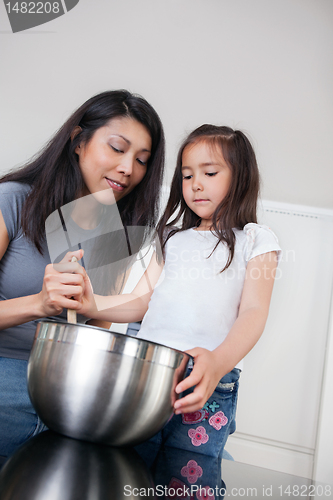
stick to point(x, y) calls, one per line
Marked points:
point(54, 296)
point(211, 366)
point(124, 308)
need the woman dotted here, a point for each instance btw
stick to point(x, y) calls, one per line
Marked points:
point(110, 150)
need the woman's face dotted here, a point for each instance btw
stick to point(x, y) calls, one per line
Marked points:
point(115, 159)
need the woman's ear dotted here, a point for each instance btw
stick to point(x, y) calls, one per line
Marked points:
point(77, 130)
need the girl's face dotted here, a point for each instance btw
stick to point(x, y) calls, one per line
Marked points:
point(115, 159)
point(206, 180)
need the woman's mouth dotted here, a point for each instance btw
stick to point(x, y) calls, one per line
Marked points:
point(116, 186)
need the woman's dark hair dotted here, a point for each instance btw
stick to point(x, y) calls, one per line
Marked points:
point(55, 177)
point(239, 206)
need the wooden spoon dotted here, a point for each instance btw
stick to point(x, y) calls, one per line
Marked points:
point(71, 313)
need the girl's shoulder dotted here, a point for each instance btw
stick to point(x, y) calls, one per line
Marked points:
point(192, 233)
point(175, 233)
point(256, 239)
point(169, 229)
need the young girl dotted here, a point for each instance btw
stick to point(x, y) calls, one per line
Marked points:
point(109, 152)
point(212, 299)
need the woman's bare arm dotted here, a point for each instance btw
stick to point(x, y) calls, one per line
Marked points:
point(57, 288)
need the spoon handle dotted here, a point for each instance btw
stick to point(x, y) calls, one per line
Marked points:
point(71, 313)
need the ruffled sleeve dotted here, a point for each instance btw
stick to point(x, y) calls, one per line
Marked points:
point(260, 239)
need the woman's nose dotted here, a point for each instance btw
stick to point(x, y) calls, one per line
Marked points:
point(126, 165)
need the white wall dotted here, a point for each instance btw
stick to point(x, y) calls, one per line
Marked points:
point(261, 65)
point(280, 430)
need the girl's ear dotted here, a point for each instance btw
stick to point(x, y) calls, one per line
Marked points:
point(77, 130)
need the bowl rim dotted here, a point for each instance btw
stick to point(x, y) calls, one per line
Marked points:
point(134, 339)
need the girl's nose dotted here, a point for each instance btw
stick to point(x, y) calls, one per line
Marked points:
point(196, 185)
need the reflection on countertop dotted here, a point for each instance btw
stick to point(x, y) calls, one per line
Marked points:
point(54, 467)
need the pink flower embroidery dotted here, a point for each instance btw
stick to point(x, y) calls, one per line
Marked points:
point(218, 420)
point(177, 489)
point(198, 436)
point(191, 471)
point(205, 493)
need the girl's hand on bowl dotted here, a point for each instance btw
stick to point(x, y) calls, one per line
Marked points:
point(63, 286)
point(205, 376)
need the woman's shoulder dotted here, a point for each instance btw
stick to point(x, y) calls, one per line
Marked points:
point(14, 189)
point(12, 198)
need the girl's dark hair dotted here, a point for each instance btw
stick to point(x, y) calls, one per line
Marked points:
point(239, 206)
point(55, 177)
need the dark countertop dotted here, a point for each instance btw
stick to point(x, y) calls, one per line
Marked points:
point(53, 467)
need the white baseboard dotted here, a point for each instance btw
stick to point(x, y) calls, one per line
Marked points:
point(271, 456)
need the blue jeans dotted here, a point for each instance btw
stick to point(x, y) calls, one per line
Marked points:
point(188, 475)
point(18, 419)
point(204, 431)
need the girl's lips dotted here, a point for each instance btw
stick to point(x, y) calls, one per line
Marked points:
point(200, 201)
point(116, 186)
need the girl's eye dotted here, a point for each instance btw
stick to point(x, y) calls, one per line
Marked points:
point(211, 174)
point(186, 177)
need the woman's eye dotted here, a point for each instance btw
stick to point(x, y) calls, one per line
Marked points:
point(143, 163)
point(116, 149)
point(211, 174)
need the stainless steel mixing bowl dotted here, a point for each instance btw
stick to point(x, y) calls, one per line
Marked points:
point(92, 384)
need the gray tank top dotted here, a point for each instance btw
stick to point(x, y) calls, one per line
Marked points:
point(21, 271)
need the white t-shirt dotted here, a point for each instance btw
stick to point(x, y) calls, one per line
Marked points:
point(194, 304)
